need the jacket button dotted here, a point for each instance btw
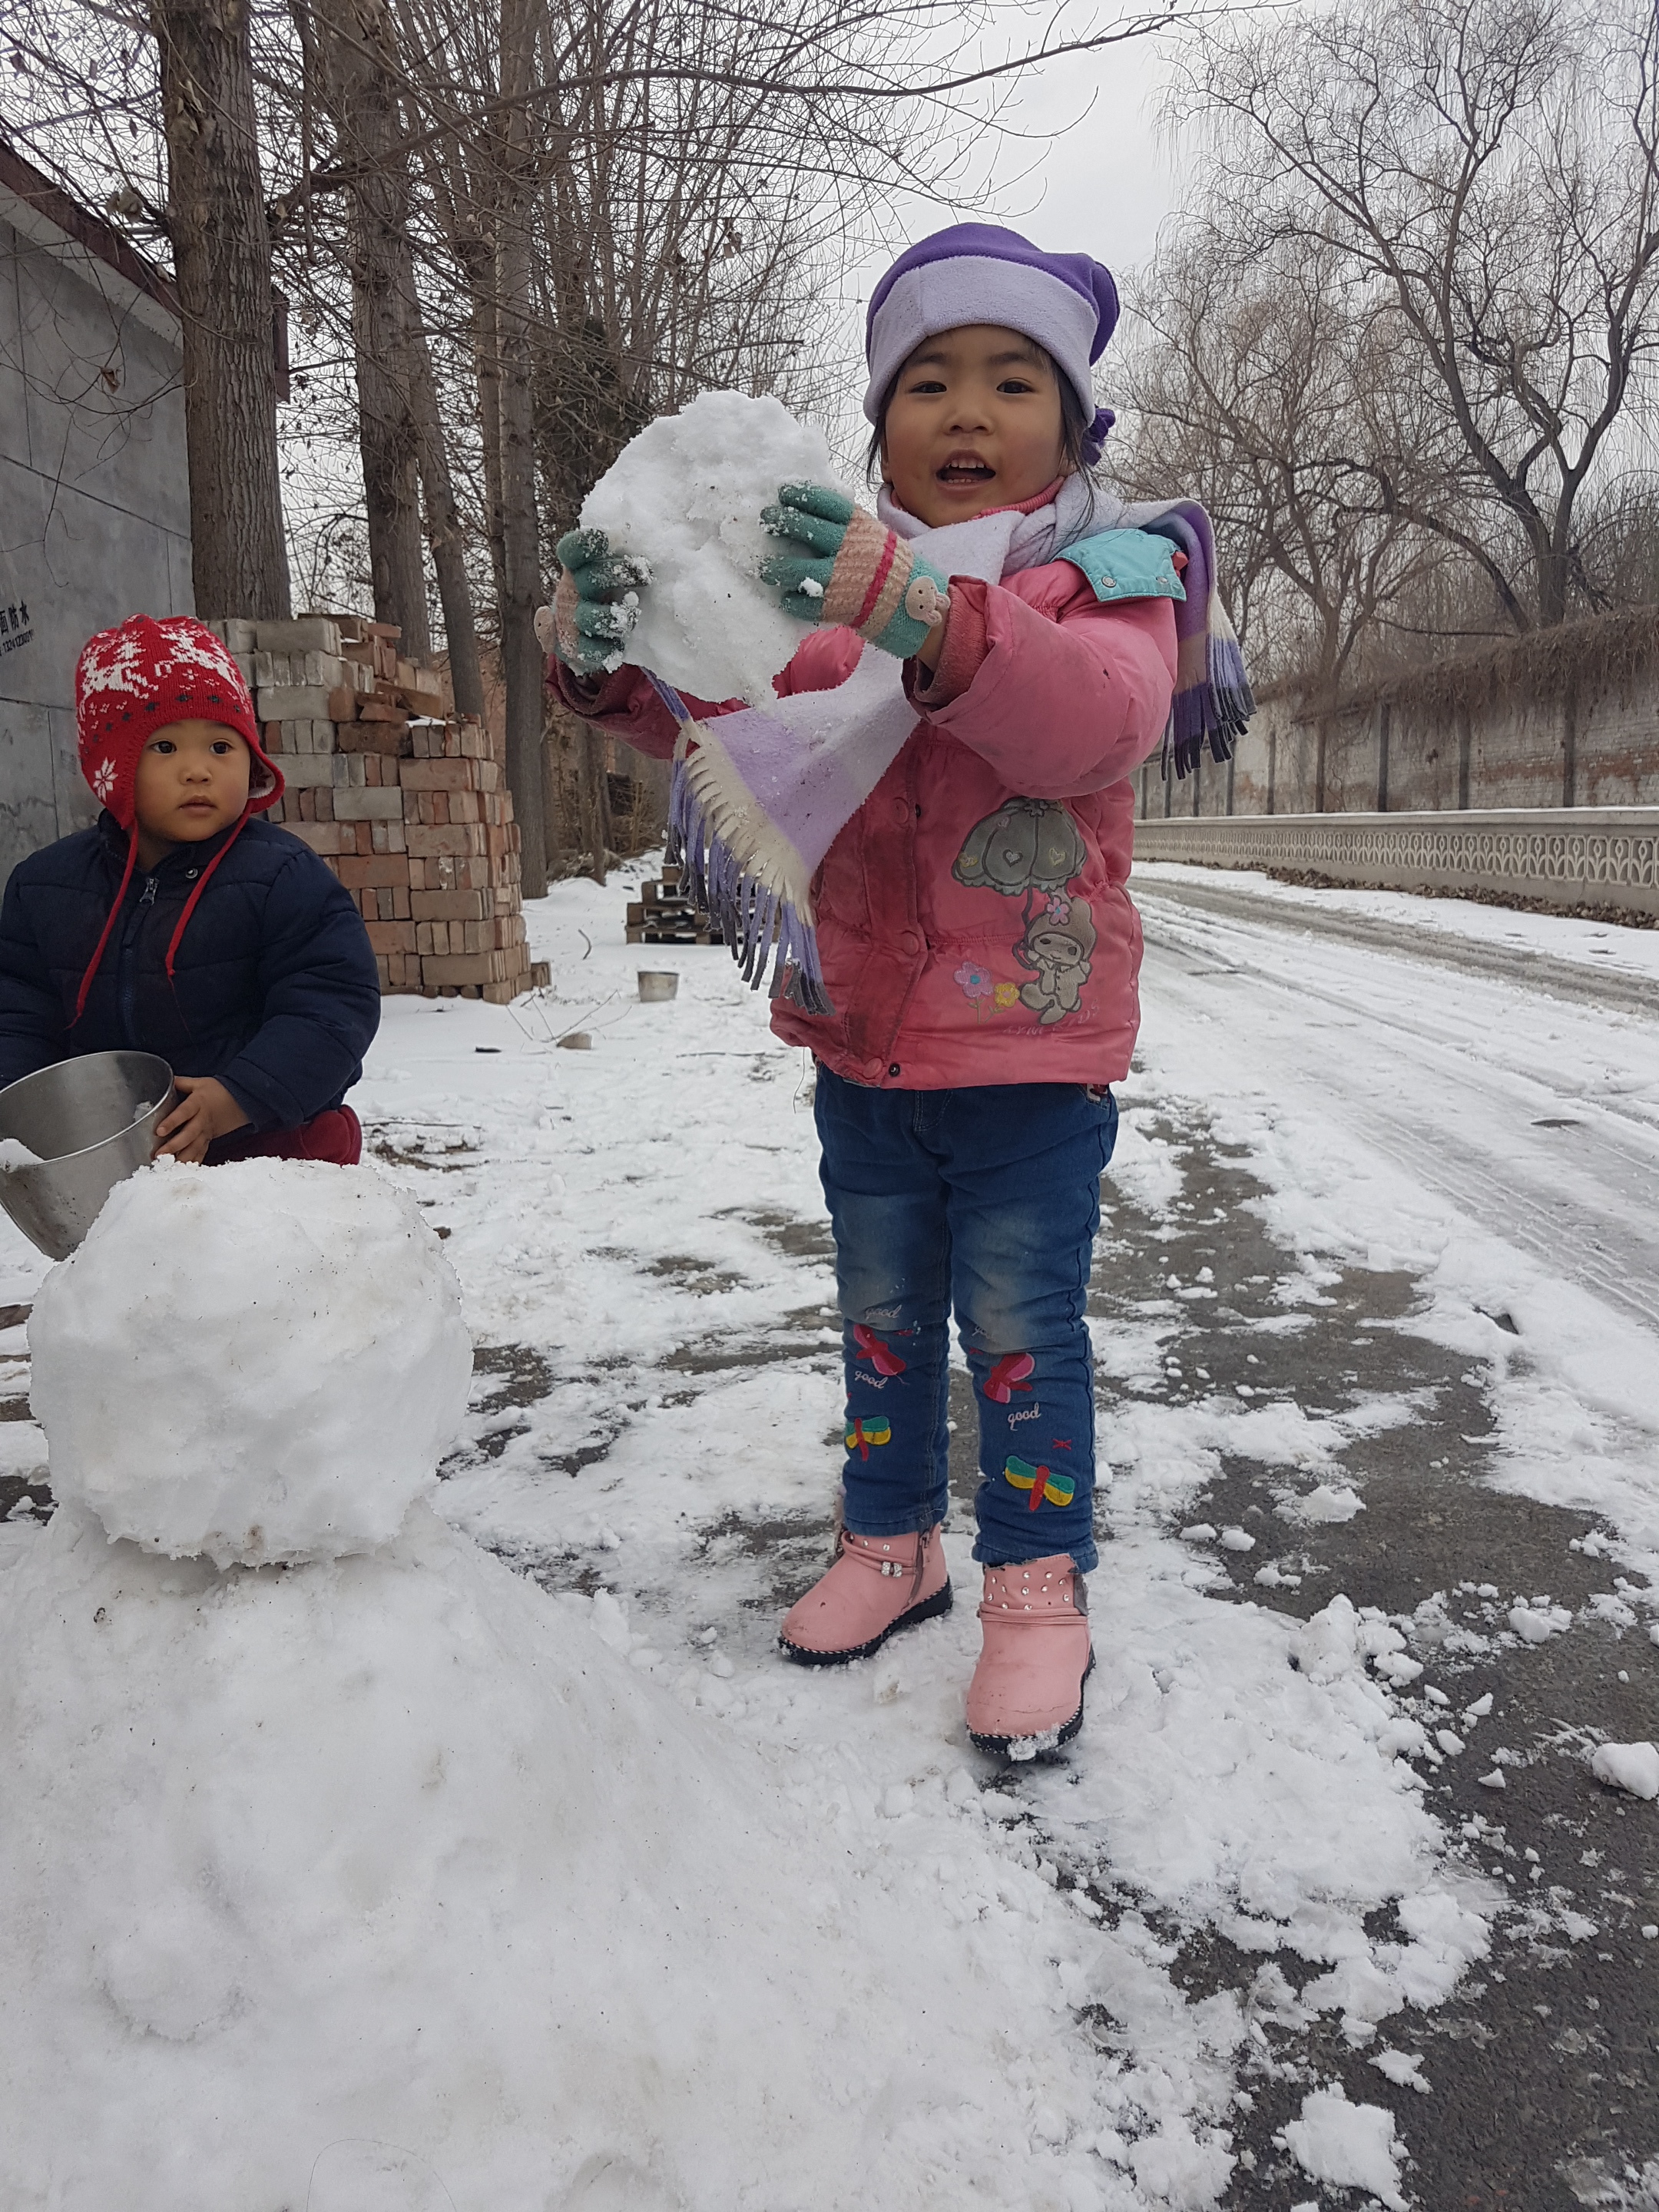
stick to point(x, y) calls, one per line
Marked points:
point(901, 810)
point(872, 1067)
point(894, 1069)
point(909, 942)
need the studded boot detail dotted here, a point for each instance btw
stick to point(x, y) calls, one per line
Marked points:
point(1026, 1697)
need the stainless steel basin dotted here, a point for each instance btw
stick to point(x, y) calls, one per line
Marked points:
point(91, 1122)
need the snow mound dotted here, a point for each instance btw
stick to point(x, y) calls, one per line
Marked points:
point(1629, 1766)
point(1351, 2146)
point(687, 495)
point(261, 1361)
point(385, 1873)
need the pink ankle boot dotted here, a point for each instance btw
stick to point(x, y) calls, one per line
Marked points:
point(878, 1585)
point(1026, 1696)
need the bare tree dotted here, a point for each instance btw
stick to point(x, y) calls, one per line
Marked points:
point(1487, 170)
point(215, 220)
point(1254, 381)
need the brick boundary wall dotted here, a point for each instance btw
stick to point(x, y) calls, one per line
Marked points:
point(405, 800)
point(1604, 856)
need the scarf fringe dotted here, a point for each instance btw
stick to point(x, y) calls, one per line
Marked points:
point(1215, 712)
point(758, 903)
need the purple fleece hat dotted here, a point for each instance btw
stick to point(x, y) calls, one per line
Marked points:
point(977, 272)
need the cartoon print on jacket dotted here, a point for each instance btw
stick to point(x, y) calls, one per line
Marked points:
point(1027, 844)
point(1057, 947)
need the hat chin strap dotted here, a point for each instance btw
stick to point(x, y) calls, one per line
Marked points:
point(203, 880)
point(96, 961)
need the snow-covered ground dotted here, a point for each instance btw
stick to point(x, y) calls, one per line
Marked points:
point(1248, 1891)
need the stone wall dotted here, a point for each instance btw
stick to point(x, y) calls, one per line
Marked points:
point(1567, 719)
point(95, 505)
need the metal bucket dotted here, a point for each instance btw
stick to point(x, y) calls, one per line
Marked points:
point(91, 1123)
point(657, 984)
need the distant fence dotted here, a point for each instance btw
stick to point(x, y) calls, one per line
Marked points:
point(1564, 718)
point(1603, 856)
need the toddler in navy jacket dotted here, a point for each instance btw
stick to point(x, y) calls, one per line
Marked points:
point(182, 924)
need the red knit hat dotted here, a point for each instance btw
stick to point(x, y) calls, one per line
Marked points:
point(132, 681)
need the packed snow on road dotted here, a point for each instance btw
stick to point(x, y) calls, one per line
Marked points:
point(499, 1862)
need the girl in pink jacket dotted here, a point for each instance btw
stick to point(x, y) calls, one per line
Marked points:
point(941, 849)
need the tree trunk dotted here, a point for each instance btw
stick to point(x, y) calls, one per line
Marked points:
point(445, 536)
point(595, 800)
point(221, 260)
point(360, 53)
point(521, 579)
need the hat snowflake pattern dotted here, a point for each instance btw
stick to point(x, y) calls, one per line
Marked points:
point(135, 679)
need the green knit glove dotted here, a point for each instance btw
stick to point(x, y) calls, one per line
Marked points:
point(596, 605)
point(852, 570)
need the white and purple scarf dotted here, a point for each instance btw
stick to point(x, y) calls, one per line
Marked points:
point(761, 794)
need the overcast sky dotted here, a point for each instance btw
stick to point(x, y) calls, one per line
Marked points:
point(1101, 184)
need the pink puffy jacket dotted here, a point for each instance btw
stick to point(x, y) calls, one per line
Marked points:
point(972, 919)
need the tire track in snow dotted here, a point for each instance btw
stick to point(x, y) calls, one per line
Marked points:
point(1473, 1072)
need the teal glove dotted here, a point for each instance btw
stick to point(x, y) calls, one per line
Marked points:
point(597, 602)
point(852, 570)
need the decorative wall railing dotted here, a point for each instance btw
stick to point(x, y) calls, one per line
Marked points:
point(1564, 856)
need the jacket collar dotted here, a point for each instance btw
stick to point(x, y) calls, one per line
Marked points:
point(183, 860)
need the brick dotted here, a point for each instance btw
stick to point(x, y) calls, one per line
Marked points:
point(451, 906)
point(387, 836)
point(441, 774)
point(463, 967)
point(364, 872)
point(299, 769)
point(386, 738)
point(305, 634)
point(366, 805)
point(327, 838)
point(293, 702)
point(455, 841)
point(346, 771)
point(379, 710)
point(392, 936)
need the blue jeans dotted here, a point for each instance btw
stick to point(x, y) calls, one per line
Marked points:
point(986, 1201)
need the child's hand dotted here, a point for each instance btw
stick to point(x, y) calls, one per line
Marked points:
point(852, 570)
point(596, 606)
point(206, 1110)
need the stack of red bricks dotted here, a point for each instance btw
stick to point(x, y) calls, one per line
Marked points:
point(405, 800)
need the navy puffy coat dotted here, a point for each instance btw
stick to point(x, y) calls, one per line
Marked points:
point(274, 988)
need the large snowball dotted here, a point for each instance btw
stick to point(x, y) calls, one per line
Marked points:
point(259, 1362)
point(687, 495)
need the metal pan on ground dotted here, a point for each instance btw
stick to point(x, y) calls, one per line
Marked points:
point(90, 1123)
point(657, 984)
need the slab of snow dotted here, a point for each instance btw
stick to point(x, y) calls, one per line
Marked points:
point(1537, 1623)
point(1495, 1142)
point(1328, 1502)
point(259, 1362)
point(1351, 2146)
point(687, 494)
point(1563, 937)
point(1629, 1766)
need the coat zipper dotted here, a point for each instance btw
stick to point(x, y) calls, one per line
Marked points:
point(128, 965)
